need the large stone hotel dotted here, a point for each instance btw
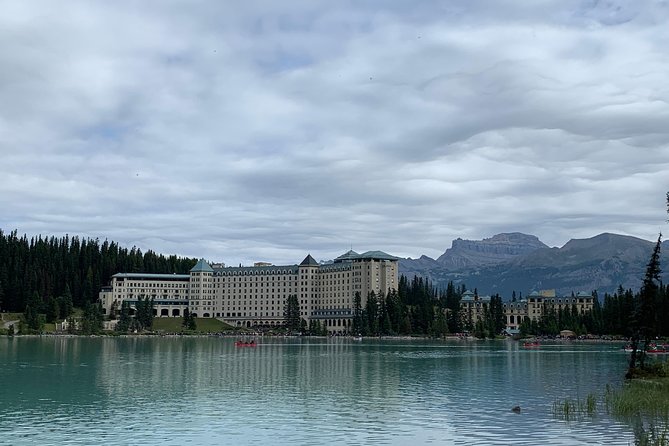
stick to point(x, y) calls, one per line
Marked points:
point(249, 296)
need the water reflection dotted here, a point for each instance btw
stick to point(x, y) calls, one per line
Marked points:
point(207, 391)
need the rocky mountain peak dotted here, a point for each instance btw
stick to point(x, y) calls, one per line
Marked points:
point(496, 249)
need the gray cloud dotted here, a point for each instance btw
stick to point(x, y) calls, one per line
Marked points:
point(267, 130)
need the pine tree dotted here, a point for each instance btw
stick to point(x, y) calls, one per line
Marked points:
point(643, 317)
point(123, 324)
point(291, 313)
point(372, 313)
point(67, 306)
point(357, 314)
point(53, 310)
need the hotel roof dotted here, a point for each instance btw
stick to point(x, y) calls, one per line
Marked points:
point(201, 266)
point(151, 276)
point(369, 255)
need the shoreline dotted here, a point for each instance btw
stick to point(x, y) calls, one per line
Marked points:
point(603, 340)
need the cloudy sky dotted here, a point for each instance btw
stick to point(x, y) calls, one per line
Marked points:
point(265, 130)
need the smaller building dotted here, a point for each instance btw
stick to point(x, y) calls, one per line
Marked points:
point(537, 302)
point(168, 291)
point(473, 307)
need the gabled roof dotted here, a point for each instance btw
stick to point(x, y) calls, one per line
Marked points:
point(309, 261)
point(201, 266)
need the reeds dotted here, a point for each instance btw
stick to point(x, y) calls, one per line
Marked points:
point(571, 409)
point(644, 404)
point(648, 398)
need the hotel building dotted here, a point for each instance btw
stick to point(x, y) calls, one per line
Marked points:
point(249, 296)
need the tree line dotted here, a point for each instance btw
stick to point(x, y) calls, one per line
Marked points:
point(50, 272)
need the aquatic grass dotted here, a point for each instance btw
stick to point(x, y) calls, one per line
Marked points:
point(651, 435)
point(572, 409)
point(643, 404)
point(648, 398)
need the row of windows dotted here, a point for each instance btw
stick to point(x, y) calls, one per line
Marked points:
point(151, 284)
point(256, 273)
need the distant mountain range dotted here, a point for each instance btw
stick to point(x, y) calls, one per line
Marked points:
point(519, 262)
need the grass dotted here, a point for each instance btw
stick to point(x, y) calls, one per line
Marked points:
point(648, 398)
point(570, 409)
point(11, 316)
point(642, 403)
point(204, 325)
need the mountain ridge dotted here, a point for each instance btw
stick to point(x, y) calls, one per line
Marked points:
point(520, 262)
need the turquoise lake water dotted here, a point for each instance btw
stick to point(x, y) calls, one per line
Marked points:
point(288, 391)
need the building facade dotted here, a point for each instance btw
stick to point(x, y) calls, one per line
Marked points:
point(249, 296)
point(473, 307)
point(534, 305)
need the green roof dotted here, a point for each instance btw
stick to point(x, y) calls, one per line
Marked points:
point(375, 255)
point(378, 255)
point(350, 255)
point(201, 266)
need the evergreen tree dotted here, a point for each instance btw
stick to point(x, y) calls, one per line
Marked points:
point(123, 324)
point(440, 325)
point(92, 319)
point(316, 328)
point(67, 306)
point(494, 319)
point(372, 313)
point(643, 317)
point(185, 319)
point(395, 311)
point(30, 317)
point(291, 313)
point(357, 314)
point(479, 329)
point(53, 310)
point(144, 312)
point(192, 324)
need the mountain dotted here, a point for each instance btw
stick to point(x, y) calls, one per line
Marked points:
point(518, 262)
point(473, 254)
point(497, 249)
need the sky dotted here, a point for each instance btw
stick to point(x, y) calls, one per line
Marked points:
point(266, 130)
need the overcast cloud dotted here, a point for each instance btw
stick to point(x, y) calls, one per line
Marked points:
point(265, 130)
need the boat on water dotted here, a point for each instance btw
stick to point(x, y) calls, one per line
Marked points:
point(656, 349)
point(245, 343)
point(531, 344)
point(653, 349)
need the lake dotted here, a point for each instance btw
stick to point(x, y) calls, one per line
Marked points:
point(175, 391)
